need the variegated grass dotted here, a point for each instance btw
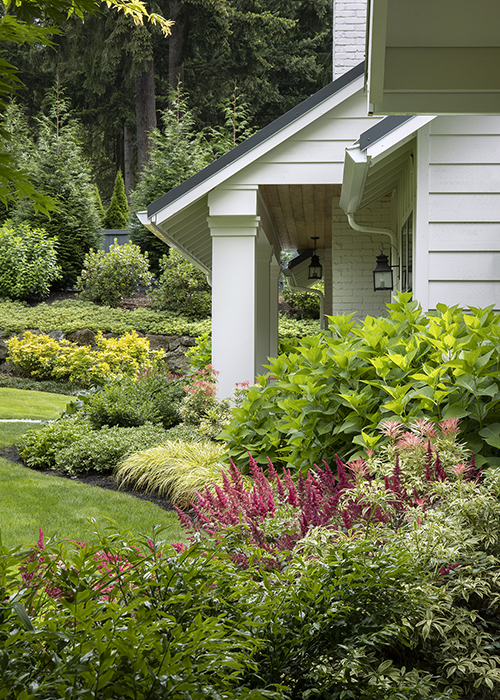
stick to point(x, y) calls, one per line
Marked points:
point(175, 469)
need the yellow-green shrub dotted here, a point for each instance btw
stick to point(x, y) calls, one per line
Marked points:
point(42, 357)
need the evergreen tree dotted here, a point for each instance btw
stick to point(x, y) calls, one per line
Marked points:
point(117, 214)
point(55, 162)
point(98, 204)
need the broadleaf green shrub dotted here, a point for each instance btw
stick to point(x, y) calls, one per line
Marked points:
point(182, 288)
point(304, 305)
point(108, 277)
point(339, 385)
point(40, 448)
point(28, 262)
point(153, 397)
point(102, 450)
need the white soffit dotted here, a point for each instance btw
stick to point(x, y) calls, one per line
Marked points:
point(433, 57)
point(372, 165)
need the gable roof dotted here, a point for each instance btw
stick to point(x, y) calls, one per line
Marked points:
point(208, 176)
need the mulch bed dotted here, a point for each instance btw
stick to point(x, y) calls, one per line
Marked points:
point(103, 481)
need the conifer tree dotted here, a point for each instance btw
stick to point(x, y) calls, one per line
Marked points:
point(98, 204)
point(55, 161)
point(117, 214)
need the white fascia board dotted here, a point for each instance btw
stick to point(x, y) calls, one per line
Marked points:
point(171, 242)
point(356, 166)
point(261, 149)
point(395, 139)
point(376, 32)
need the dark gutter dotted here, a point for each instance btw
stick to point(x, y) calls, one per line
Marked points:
point(381, 129)
point(255, 140)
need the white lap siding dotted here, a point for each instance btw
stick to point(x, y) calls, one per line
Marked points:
point(463, 209)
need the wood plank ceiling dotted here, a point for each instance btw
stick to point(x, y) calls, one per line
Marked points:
point(299, 212)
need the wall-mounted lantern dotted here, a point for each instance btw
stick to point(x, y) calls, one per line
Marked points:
point(382, 275)
point(315, 269)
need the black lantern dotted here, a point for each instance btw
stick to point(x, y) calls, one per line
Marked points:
point(382, 274)
point(315, 269)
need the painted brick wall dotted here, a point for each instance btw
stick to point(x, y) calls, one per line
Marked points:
point(354, 258)
point(349, 32)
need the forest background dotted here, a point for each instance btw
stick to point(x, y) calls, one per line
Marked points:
point(117, 78)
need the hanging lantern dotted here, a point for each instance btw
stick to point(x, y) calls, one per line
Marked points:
point(315, 269)
point(382, 275)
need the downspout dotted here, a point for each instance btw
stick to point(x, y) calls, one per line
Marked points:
point(318, 292)
point(371, 229)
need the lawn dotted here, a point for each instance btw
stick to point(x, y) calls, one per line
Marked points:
point(34, 405)
point(59, 506)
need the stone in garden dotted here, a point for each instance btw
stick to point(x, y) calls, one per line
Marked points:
point(84, 336)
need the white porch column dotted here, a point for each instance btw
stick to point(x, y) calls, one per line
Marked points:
point(274, 306)
point(234, 299)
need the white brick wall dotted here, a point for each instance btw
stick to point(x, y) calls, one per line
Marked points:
point(349, 31)
point(354, 258)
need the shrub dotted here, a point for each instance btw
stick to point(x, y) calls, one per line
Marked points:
point(153, 397)
point(183, 288)
point(40, 448)
point(201, 408)
point(28, 262)
point(117, 214)
point(175, 469)
point(338, 386)
point(394, 486)
point(108, 277)
point(102, 450)
point(126, 618)
point(304, 305)
point(43, 357)
point(55, 161)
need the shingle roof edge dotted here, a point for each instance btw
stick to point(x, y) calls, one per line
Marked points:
point(255, 140)
point(381, 129)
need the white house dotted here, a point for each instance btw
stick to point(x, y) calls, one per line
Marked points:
point(423, 189)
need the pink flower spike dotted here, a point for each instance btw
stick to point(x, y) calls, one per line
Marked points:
point(391, 428)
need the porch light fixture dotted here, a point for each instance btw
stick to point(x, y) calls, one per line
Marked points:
point(315, 269)
point(382, 274)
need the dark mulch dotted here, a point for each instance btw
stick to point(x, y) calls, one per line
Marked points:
point(103, 481)
point(139, 300)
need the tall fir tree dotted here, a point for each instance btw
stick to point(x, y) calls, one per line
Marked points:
point(56, 163)
point(117, 214)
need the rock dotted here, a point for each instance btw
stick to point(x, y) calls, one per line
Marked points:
point(4, 350)
point(56, 335)
point(83, 337)
point(161, 342)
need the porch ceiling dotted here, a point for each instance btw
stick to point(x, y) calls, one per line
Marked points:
point(299, 212)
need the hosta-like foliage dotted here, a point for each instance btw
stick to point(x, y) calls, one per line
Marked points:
point(336, 387)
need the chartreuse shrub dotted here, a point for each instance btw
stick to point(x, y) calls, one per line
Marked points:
point(336, 387)
point(28, 262)
point(71, 445)
point(108, 277)
point(43, 357)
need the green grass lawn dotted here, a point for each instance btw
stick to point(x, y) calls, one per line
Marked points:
point(30, 501)
point(36, 405)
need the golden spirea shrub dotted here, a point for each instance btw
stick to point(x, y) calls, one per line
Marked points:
point(42, 357)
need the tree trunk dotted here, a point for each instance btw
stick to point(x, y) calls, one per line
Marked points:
point(145, 111)
point(128, 160)
point(176, 47)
